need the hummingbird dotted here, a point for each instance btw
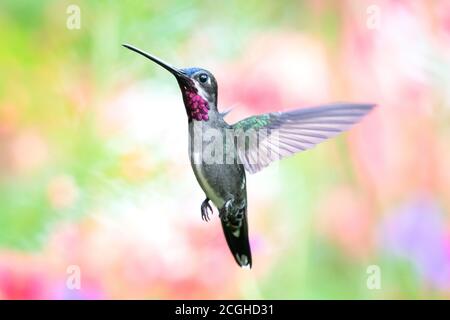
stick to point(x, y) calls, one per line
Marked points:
point(255, 142)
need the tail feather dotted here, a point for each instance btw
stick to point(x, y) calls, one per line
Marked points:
point(236, 235)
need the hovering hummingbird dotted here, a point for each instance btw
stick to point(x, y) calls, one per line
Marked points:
point(277, 135)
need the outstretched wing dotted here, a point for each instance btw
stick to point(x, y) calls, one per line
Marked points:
point(269, 137)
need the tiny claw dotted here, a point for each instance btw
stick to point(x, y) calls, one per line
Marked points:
point(204, 209)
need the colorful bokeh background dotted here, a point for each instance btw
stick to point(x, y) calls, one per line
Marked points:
point(95, 177)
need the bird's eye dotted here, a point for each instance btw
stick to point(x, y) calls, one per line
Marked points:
point(203, 77)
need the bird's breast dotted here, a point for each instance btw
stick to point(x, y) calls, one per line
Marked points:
point(208, 184)
point(219, 179)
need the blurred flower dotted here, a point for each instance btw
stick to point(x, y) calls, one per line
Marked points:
point(344, 218)
point(416, 231)
point(22, 285)
point(142, 256)
point(89, 290)
point(62, 192)
point(9, 118)
point(27, 152)
point(279, 70)
point(24, 277)
point(136, 165)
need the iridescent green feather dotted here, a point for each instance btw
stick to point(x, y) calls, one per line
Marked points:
point(255, 122)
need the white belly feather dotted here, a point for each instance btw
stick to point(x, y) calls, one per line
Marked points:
point(203, 181)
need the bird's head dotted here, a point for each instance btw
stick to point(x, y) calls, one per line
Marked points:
point(198, 86)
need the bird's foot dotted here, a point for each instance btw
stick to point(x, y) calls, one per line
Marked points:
point(204, 208)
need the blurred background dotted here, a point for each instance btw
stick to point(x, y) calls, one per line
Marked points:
point(97, 197)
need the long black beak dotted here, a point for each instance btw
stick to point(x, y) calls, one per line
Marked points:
point(180, 75)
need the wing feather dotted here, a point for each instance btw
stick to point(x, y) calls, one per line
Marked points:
point(281, 134)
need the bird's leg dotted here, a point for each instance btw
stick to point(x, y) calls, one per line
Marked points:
point(204, 208)
point(225, 212)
